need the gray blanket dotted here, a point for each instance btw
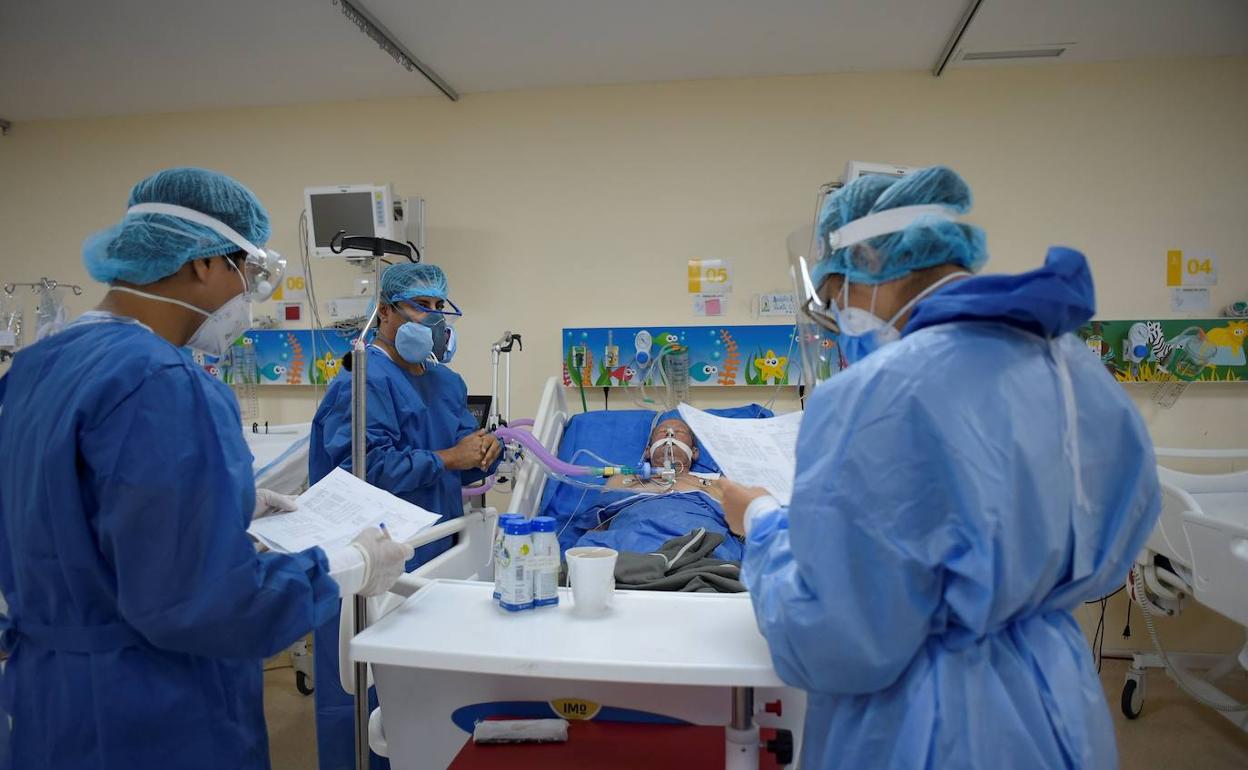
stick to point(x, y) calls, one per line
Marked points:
point(681, 564)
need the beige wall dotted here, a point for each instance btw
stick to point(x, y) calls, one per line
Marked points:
point(581, 206)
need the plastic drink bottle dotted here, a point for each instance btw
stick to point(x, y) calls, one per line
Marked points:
point(498, 547)
point(545, 562)
point(516, 586)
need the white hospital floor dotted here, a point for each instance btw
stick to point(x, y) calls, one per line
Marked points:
point(1172, 732)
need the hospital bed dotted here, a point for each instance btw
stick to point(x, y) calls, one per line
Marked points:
point(1198, 550)
point(280, 463)
point(664, 669)
point(280, 455)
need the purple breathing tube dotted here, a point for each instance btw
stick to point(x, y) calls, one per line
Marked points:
point(557, 466)
point(480, 489)
point(525, 423)
point(530, 442)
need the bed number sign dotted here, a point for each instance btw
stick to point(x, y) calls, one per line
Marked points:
point(710, 276)
point(575, 709)
point(1191, 269)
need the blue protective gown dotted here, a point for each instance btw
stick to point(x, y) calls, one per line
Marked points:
point(409, 418)
point(139, 610)
point(958, 494)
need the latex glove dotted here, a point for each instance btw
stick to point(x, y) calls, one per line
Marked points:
point(270, 502)
point(384, 560)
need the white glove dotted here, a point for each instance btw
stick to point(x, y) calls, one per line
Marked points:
point(268, 502)
point(384, 560)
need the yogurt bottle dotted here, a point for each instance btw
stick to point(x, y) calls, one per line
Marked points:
point(545, 562)
point(515, 587)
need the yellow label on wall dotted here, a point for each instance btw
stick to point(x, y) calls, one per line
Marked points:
point(709, 276)
point(1191, 269)
point(575, 709)
point(1174, 267)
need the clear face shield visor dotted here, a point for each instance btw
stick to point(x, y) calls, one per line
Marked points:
point(815, 324)
point(818, 325)
point(445, 308)
point(262, 269)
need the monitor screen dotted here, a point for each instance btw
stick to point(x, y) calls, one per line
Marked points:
point(331, 212)
point(479, 407)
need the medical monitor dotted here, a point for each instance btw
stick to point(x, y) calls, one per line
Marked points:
point(859, 168)
point(359, 209)
point(479, 407)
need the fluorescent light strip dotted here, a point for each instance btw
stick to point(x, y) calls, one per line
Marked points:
point(1034, 53)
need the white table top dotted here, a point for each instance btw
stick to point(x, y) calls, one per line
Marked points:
point(649, 637)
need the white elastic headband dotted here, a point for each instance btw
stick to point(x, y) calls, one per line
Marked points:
point(675, 442)
point(200, 218)
point(885, 222)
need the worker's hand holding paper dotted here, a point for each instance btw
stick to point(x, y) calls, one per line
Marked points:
point(334, 510)
point(760, 453)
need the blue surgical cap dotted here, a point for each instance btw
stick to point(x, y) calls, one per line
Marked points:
point(144, 248)
point(927, 242)
point(407, 281)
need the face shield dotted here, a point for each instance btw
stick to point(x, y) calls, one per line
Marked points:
point(815, 324)
point(820, 327)
point(262, 269)
point(448, 311)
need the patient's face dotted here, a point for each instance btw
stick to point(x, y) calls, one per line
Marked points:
point(680, 431)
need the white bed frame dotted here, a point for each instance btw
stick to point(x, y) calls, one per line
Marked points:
point(548, 424)
point(1203, 531)
point(470, 559)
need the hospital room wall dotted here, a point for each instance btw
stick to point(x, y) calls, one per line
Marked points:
point(580, 206)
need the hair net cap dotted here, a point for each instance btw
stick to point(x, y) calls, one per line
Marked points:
point(407, 281)
point(144, 248)
point(927, 242)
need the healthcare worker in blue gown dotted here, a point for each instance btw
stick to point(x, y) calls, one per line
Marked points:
point(139, 610)
point(423, 446)
point(968, 481)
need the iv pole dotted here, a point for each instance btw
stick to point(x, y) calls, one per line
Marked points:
point(359, 449)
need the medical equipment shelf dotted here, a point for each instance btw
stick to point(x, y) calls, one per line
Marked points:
point(649, 638)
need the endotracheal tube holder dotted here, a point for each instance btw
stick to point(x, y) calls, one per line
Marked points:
point(558, 468)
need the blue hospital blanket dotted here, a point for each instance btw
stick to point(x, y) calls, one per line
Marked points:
point(643, 523)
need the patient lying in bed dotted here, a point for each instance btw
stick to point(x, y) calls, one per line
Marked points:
point(640, 516)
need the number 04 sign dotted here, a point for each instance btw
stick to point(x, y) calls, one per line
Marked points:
point(1191, 268)
point(710, 276)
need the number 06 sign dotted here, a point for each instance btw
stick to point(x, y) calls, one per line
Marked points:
point(709, 276)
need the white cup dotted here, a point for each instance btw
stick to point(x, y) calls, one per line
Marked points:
point(591, 574)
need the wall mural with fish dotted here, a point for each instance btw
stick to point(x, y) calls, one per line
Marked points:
point(280, 357)
point(1198, 350)
point(718, 355)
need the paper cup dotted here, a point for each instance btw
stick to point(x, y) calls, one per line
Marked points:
point(591, 574)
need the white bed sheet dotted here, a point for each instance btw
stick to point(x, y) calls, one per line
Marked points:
point(281, 457)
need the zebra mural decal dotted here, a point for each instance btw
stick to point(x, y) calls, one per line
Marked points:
point(1221, 343)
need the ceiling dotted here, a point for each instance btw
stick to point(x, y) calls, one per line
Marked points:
point(79, 58)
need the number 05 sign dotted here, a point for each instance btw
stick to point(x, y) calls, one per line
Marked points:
point(710, 276)
point(1191, 268)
